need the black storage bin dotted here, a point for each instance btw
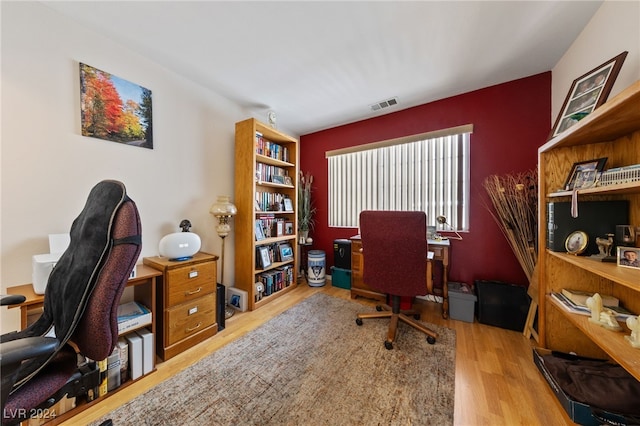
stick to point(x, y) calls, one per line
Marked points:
point(342, 254)
point(220, 305)
point(502, 305)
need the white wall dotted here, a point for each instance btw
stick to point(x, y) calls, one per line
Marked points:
point(48, 168)
point(614, 28)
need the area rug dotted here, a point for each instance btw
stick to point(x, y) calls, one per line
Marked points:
point(310, 365)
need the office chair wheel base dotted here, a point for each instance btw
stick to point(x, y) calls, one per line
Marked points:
point(431, 340)
point(359, 321)
point(388, 345)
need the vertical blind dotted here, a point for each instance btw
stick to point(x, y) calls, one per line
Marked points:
point(427, 172)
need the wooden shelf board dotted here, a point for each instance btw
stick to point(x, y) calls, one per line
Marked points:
point(627, 277)
point(612, 342)
point(624, 188)
point(272, 161)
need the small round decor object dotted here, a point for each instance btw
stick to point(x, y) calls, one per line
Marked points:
point(576, 242)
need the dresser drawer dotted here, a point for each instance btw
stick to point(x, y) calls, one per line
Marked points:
point(189, 283)
point(189, 318)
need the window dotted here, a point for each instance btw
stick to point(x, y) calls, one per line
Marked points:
point(427, 172)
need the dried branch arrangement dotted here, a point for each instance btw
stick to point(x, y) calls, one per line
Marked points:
point(515, 204)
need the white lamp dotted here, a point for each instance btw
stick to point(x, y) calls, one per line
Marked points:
point(224, 210)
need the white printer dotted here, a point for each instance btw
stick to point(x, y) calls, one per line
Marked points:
point(42, 264)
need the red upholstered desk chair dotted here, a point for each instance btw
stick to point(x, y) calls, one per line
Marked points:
point(394, 244)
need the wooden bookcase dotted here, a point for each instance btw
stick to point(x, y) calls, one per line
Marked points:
point(253, 189)
point(612, 131)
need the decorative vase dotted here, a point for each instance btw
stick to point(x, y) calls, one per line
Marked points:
point(303, 236)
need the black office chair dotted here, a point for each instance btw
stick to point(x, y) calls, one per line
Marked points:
point(80, 305)
point(394, 245)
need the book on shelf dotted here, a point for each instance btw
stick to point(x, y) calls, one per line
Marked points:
point(570, 306)
point(113, 370)
point(135, 355)
point(580, 297)
point(132, 315)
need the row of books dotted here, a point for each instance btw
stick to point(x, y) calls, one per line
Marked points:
point(570, 306)
point(273, 201)
point(274, 174)
point(270, 226)
point(131, 358)
point(275, 280)
point(271, 149)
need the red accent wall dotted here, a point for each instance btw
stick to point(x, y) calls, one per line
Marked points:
point(511, 120)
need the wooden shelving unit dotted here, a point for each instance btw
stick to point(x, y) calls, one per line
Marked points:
point(248, 184)
point(612, 131)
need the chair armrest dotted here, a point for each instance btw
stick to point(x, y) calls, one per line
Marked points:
point(16, 351)
point(11, 299)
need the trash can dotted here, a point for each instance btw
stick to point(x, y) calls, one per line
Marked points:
point(462, 302)
point(316, 264)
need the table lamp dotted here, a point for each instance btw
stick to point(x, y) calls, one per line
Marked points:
point(224, 210)
point(442, 220)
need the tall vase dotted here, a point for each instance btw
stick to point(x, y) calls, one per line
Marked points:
point(302, 237)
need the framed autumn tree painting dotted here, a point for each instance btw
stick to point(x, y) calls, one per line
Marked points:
point(114, 109)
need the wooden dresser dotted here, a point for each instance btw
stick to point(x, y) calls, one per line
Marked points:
point(186, 302)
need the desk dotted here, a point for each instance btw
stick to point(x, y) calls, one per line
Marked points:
point(440, 249)
point(33, 305)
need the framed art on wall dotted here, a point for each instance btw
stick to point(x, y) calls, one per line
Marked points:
point(114, 109)
point(588, 92)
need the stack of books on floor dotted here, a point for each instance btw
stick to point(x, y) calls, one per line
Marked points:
point(576, 302)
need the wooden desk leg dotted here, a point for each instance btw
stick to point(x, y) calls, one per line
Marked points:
point(445, 284)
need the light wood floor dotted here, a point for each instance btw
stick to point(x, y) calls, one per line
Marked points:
point(497, 382)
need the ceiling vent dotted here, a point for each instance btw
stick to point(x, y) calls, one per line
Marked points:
point(384, 104)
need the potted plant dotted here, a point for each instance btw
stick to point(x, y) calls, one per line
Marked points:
point(305, 206)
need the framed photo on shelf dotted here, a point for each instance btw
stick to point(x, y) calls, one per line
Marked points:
point(587, 93)
point(629, 257)
point(286, 252)
point(259, 231)
point(584, 174)
point(278, 179)
point(264, 260)
point(288, 228)
point(288, 205)
point(288, 181)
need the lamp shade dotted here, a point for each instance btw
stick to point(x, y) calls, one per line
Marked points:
point(223, 207)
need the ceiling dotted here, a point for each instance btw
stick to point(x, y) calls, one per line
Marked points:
point(322, 64)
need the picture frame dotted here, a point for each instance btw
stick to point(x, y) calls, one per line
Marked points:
point(288, 205)
point(628, 257)
point(288, 181)
point(264, 260)
point(288, 228)
point(259, 231)
point(576, 242)
point(237, 298)
point(277, 179)
point(583, 172)
point(587, 93)
point(124, 116)
point(286, 252)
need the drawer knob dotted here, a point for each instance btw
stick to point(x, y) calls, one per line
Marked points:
point(196, 291)
point(197, 326)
